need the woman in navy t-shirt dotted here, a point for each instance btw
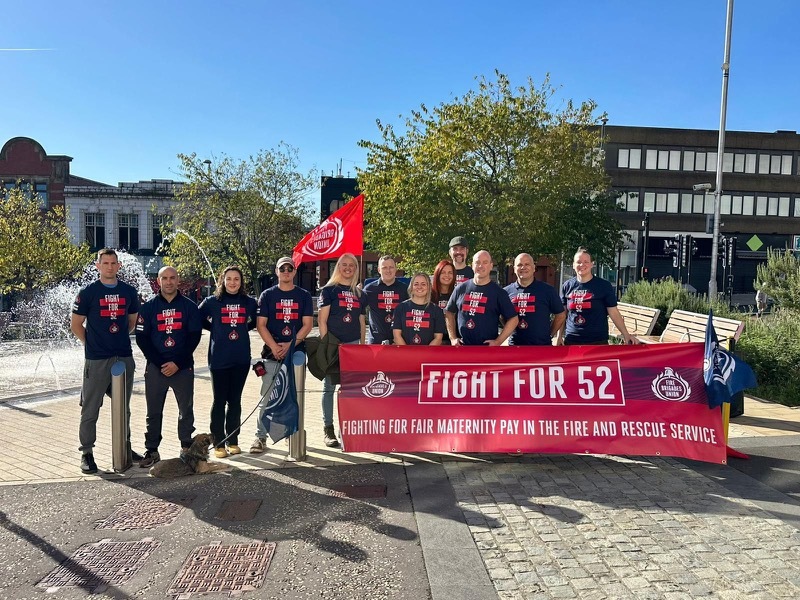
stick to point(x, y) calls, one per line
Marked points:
point(418, 321)
point(341, 312)
point(229, 314)
point(444, 281)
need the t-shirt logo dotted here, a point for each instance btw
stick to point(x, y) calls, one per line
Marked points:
point(233, 336)
point(169, 342)
point(416, 339)
point(347, 301)
point(470, 324)
point(524, 302)
point(347, 318)
point(474, 303)
point(522, 324)
point(418, 319)
point(233, 314)
point(114, 328)
point(169, 320)
point(286, 332)
point(387, 301)
point(112, 306)
point(579, 300)
point(287, 309)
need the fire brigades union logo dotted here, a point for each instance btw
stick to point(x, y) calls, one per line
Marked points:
point(327, 239)
point(379, 386)
point(671, 386)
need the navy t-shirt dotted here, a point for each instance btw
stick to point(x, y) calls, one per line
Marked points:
point(587, 314)
point(418, 323)
point(479, 308)
point(228, 318)
point(106, 309)
point(534, 304)
point(345, 309)
point(382, 300)
point(169, 331)
point(444, 298)
point(284, 311)
point(464, 274)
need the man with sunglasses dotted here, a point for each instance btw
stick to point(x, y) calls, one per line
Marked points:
point(284, 311)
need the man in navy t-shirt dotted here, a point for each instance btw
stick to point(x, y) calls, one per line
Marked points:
point(476, 306)
point(459, 249)
point(103, 316)
point(535, 301)
point(167, 331)
point(382, 297)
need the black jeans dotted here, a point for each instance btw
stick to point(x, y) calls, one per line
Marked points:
point(227, 385)
point(155, 392)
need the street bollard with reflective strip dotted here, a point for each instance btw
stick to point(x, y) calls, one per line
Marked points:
point(120, 454)
point(297, 441)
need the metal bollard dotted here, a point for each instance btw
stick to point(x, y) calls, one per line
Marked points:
point(297, 441)
point(121, 457)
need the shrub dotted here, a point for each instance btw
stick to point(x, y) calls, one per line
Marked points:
point(771, 346)
point(668, 295)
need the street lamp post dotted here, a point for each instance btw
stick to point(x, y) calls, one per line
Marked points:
point(712, 282)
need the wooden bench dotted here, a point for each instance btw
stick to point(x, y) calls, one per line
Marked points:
point(686, 326)
point(639, 320)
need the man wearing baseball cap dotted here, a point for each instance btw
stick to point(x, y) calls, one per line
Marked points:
point(459, 249)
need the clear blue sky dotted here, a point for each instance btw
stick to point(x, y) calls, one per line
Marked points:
point(122, 87)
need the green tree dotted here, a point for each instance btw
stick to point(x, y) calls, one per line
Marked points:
point(499, 165)
point(780, 278)
point(35, 249)
point(245, 212)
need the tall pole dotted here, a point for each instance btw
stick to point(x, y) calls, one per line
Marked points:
point(726, 62)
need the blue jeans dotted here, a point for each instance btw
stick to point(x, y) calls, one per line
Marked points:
point(327, 397)
point(298, 359)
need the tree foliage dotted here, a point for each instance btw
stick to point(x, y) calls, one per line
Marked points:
point(245, 212)
point(780, 278)
point(499, 165)
point(35, 249)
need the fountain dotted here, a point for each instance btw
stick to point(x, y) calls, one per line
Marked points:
point(48, 358)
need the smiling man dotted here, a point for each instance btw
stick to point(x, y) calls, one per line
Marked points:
point(382, 298)
point(535, 302)
point(476, 306)
point(459, 249)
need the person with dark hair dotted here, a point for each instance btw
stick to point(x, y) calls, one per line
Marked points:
point(285, 313)
point(341, 313)
point(168, 330)
point(229, 314)
point(418, 321)
point(381, 298)
point(535, 301)
point(459, 250)
point(443, 284)
point(103, 317)
point(589, 302)
point(476, 307)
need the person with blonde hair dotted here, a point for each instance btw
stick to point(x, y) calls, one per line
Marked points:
point(341, 313)
point(418, 321)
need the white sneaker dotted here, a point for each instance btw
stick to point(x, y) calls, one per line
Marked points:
point(258, 446)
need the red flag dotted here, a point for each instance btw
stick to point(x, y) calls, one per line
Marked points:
point(340, 233)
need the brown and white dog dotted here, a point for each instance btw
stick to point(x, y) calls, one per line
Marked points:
point(193, 461)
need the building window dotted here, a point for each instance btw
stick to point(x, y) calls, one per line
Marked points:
point(797, 207)
point(629, 158)
point(41, 193)
point(725, 204)
point(761, 206)
point(736, 209)
point(786, 164)
point(686, 203)
point(747, 205)
point(158, 221)
point(783, 206)
point(129, 231)
point(629, 201)
point(688, 160)
point(95, 226)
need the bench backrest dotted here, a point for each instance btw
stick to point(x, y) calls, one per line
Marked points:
point(686, 326)
point(639, 320)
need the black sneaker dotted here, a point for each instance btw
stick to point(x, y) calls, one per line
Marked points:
point(88, 465)
point(135, 456)
point(150, 458)
point(330, 437)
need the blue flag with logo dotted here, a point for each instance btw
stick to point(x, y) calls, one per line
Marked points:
point(281, 415)
point(724, 374)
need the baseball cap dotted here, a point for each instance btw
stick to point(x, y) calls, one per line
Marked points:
point(459, 241)
point(285, 260)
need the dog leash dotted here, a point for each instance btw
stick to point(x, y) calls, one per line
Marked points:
point(258, 404)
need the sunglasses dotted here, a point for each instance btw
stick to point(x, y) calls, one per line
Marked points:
point(286, 269)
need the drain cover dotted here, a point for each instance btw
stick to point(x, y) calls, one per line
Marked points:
point(144, 513)
point(358, 491)
point(238, 510)
point(216, 568)
point(94, 567)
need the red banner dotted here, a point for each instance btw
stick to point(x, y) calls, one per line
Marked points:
point(340, 233)
point(622, 400)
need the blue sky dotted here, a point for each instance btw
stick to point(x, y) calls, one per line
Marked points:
point(125, 86)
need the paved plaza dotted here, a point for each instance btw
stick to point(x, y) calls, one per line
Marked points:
point(342, 525)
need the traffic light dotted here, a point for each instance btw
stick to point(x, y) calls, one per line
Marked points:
point(731, 251)
point(686, 249)
point(723, 251)
point(678, 250)
point(709, 223)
